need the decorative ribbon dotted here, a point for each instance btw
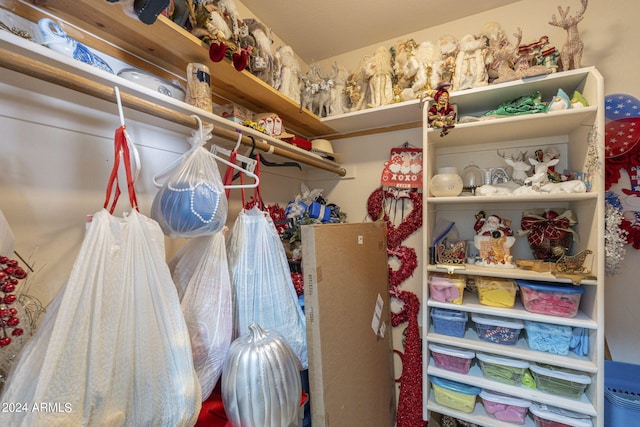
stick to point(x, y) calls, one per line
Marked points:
point(551, 226)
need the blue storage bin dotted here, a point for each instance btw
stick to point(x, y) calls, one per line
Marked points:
point(621, 394)
point(548, 337)
point(496, 329)
point(449, 322)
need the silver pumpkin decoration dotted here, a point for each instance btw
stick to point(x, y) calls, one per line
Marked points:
point(261, 380)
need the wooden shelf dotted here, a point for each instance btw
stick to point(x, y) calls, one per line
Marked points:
point(167, 46)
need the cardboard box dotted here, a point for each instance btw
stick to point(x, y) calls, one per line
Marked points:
point(346, 289)
point(234, 112)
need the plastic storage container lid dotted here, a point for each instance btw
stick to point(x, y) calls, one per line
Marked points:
point(563, 375)
point(551, 287)
point(548, 328)
point(558, 415)
point(442, 313)
point(503, 361)
point(505, 400)
point(451, 351)
point(455, 386)
point(484, 319)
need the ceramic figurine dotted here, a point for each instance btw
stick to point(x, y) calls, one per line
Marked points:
point(448, 47)
point(470, 69)
point(54, 38)
point(378, 70)
point(494, 239)
point(289, 75)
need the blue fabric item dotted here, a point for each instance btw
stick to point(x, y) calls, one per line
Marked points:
point(580, 341)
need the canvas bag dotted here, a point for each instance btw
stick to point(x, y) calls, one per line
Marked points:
point(201, 274)
point(113, 348)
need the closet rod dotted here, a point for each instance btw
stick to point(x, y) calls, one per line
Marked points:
point(48, 73)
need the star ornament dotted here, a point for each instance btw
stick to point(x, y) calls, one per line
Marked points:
point(621, 136)
point(619, 106)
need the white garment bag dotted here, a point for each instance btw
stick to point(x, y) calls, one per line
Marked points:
point(201, 274)
point(113, 349)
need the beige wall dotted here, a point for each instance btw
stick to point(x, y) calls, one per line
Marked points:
point(610, 33)
point(45, 198)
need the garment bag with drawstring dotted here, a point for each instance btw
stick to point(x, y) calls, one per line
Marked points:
point(263, 289)
point(113, 348)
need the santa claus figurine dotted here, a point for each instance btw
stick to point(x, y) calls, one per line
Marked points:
point(492, 225)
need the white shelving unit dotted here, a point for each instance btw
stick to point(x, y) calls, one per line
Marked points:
point(567, 130)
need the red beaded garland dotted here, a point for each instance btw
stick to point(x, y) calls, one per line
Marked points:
point(10, 272)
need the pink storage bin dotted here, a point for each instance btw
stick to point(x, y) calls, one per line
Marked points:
point(447, 287)
point(451, 358)
point(505, 408)
point(554, 299)
point(549, 416)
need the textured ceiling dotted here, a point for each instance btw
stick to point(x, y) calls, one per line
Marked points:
point(317, 30)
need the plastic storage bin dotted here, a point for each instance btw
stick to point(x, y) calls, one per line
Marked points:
point(502, 369)
point(621, 394)
point(453, 394)
point(554, 299)
point(449, 322)
point(505, 408)
point(447, 288)
point(451, 358)
point(549, 416)
point(559, 381)
point(496, 329)
point(547, 337)
point(496, 292)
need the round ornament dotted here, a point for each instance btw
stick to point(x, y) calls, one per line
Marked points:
point(621, 136)
point(621, 105)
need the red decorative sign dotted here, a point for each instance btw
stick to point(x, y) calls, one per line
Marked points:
point(404, 168)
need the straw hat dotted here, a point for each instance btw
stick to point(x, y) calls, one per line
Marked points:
point(324, 148)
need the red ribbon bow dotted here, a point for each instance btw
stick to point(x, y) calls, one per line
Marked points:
point(539, 227)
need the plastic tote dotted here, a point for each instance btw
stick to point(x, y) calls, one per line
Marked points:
point(453, 394)
point(550, 416)
point(621, 394)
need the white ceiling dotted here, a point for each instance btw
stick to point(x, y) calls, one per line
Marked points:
point(321, 29)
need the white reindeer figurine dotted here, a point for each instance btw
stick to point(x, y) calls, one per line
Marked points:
point(519, 165)
point(540, 170)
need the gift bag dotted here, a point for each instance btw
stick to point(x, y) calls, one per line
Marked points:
point(191, 202)
point(201, 274)
point(113, 348)
point(261, 279)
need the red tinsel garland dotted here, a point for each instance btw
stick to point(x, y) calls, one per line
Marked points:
point(409, 225)
point(409, 412)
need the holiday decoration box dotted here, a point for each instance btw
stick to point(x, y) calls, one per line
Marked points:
point(348, 324)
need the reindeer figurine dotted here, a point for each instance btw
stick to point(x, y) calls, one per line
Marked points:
point(571, 53)
point(519, 165)
point(540, 175)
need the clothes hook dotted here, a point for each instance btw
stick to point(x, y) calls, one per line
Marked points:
point(119, 103)
point(200, 127)
point(239, 140)
point(132, 147)
point(267, 162)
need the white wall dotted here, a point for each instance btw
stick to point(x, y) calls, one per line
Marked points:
point(610, 34)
